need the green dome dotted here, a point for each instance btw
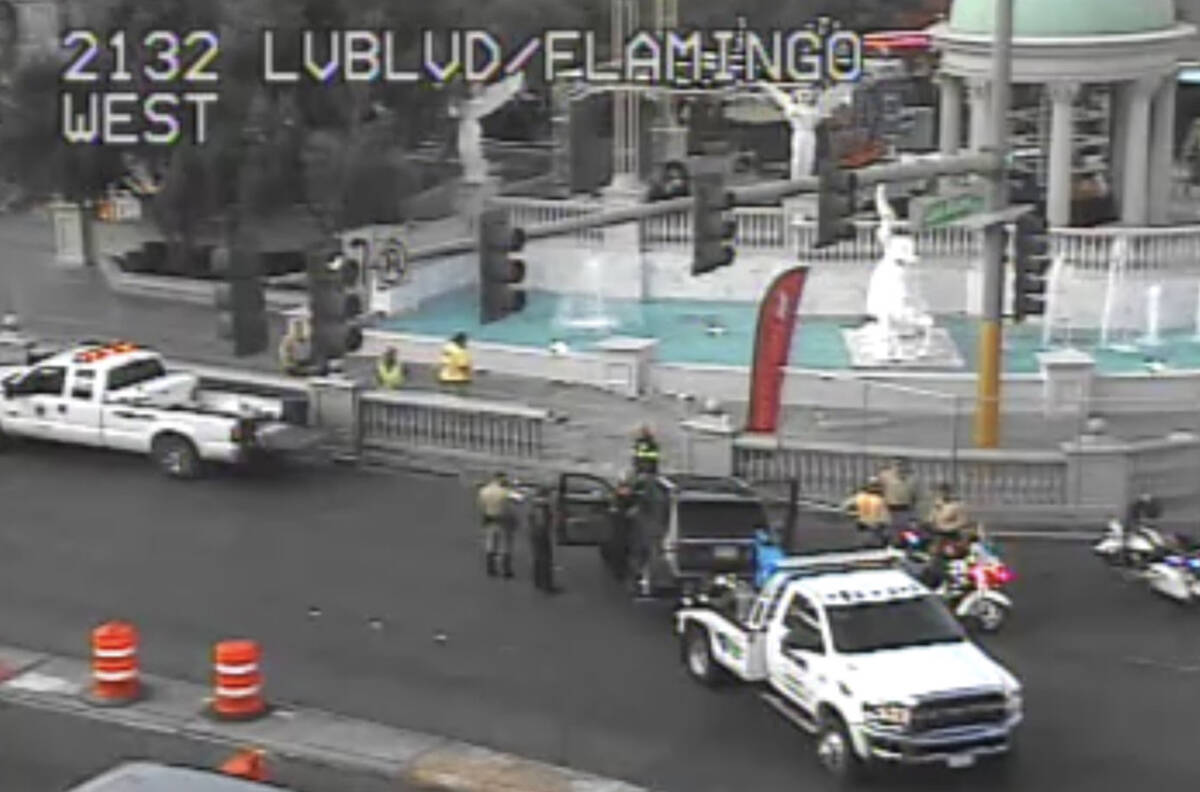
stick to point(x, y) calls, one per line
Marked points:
point(1064, 18)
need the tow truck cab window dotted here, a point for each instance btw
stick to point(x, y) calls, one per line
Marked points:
point(135, 373)
point(803, 625)
point(84, 384)
point(44, 381)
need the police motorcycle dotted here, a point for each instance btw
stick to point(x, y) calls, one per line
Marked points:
point(1134, 543)
point(1177, 573)
point(972, 582)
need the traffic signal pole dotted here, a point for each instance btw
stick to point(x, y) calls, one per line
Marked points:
point(991, 334)
point(958, 164)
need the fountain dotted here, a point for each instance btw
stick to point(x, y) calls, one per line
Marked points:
point(1053, 308)
point(1115, 298)
point(587, 311)
point(1196, 332)
point(1153, 336)
point(900, 331)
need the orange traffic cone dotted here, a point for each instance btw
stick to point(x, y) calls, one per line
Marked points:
point(249, 763)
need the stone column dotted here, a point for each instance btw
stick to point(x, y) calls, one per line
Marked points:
point(980, 91)
point(950, 110)
point(1162, 158)
point(1137, 154)
point(626, 104)
point(1118, 102)
point(1058, 164)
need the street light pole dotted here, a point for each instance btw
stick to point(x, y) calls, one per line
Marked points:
point(987, 401)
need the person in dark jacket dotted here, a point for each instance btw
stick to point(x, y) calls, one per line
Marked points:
point(622, 512)
point(541, 539)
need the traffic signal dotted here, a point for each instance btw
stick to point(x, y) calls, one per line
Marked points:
point(1031, 263)
point(500, 269)
point(335, 305)
point(836, 198)
point(241, 299)
point(713, 228)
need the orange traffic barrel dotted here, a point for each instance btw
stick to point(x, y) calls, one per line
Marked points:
point(249, 763)
point(114, 664)
point(237, 688)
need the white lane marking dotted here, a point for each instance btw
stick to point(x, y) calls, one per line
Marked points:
point(1165, 666)
point(35, 682)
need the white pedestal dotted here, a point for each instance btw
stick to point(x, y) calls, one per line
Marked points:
point(1067, 376)
point(627, 362)
point(942, 353)
point(800, 208)
point(69, 243)
point(334, 408)
point(708, 449)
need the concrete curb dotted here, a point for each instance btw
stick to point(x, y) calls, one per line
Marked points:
point(421, 761)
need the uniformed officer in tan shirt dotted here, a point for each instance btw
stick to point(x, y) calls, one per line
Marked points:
point(499, 524)
point(899, 487)
point(948, 515)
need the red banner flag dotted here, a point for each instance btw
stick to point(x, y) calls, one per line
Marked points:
point(772, 345)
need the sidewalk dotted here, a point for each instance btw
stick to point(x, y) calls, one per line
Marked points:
point(416, 760)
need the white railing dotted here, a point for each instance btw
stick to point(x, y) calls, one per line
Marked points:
point(1148, 249)
point(831, 471)
point(407, 421)
point(525, 212)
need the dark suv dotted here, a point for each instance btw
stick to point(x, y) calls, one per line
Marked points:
point(683, 528)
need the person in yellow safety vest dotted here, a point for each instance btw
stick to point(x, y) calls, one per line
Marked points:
point(645, 452)
point(295, 349)
point(389, 371)
point(456, 361)
point(870, 511)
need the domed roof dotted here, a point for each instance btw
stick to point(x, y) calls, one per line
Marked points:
point(1065, 18)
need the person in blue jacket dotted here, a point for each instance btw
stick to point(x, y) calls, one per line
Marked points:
point(767, 555)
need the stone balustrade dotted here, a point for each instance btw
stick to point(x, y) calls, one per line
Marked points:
point(769, 229)
point(404, 420)
point(1149, 250)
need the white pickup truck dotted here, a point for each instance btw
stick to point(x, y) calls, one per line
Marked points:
point(122, 397)
point(849, 647)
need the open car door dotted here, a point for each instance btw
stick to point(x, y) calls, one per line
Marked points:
point(582, 515)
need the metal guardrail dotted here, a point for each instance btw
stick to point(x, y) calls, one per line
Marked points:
point(405, 421)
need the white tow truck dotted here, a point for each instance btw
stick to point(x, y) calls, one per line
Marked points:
point(849, 647)
point(122, 397)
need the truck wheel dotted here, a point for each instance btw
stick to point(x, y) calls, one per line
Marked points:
point(835, 752)
point(697, 656)
point(176, 456)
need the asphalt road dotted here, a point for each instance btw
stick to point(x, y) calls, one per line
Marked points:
point(347, 577)
point(44, 751)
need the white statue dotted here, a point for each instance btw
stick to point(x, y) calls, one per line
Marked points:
point(804, 110)
point(470, 112)
point(897, 312)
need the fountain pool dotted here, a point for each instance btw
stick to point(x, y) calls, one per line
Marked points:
point(722, 333)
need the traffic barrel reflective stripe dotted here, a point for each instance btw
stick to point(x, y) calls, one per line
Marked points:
point(237, 683)
point(115, 677)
